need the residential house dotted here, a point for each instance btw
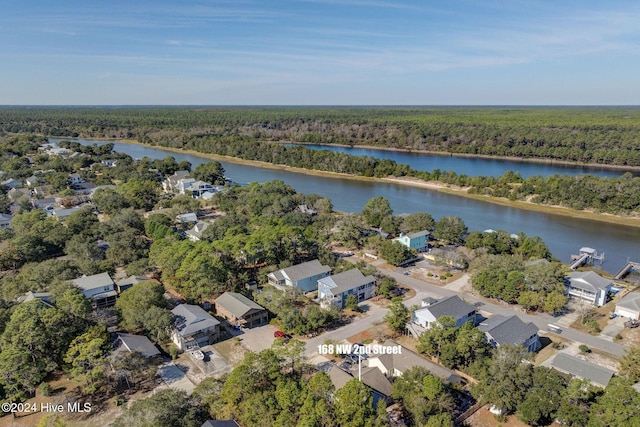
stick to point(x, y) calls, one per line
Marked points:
point(84, 189)
point(41, 190)
point(32, 181)
point(240, 310)
point(195, 234)
point(596, 374)
point(5, 221)
point(75, 179)
point(184, 185)
point(11, 183)
point(110, 163)
point(588, 286)
point(170, 184)
point(371, 377)
point(303, 277)
point(99, 288)
point(629, 306)
point(62, 214)
point(100, 187)
point(334, 290)
point(417, 241)
point(394, 365)
point(193, 327)
point(198, 188)
point(131, 343)
point(47, 204)
point(502, 330)
point(128, 282)
point(187, 217)
point(452, 306)
point(305, 209)
point(17, 193)
point(220, 423)
point(44, 297)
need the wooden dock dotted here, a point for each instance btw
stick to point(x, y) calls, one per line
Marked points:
point(631, 266)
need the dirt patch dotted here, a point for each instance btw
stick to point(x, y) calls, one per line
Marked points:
point(630, 337)
point(232, 350)
point(379, 333)
point(484, 418)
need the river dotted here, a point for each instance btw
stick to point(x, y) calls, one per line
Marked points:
point(564, 235)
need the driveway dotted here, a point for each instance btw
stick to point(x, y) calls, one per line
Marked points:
point(175, 378)
point(258, 339)
point(613, 328)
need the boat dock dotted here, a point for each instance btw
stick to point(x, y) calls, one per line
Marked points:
point(587, 256)
point(628, 268)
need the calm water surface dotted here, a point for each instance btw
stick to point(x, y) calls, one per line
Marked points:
point(564, 235)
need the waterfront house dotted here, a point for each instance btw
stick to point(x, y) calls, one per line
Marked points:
point(240, 310)
point(588, 286)
point(99, 288)
point(629, 306)
point(303, 277)
point(417, 241)
point(571, 365)
point(452, 306)
point(502, 330)
point(170, 184)
point(334, 290)
point(193, 327)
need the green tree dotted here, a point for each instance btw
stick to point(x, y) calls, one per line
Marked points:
point(395, 253)
point(354, 405)
point(211, 172)
point(417, 222)
point(87, 356)
point(167, 408)
point(109, 201)
point(376, 210)
point(630, 364)
point(618, 406)
point(451, 229)
point(132, 305)
point(397, 315)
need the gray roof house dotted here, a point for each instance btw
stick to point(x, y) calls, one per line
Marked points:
point(99, 288)
point(220, 423)
point(193, 327)
point(629, 306)
point(11, 183)
point(303, 276)
point(133, 343)
point(588, 286)
point(452, 306)
point(240, 310)
point(44, 297)
point(335, 289)
point(394, 365)
point(187, 217)
point(502, 330)
point(5, 220)
point(128, 282)
point(195, 233)
point(579, 368)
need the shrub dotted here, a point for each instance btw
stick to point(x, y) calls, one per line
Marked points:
point(173, 351)
point(45, 389)
point(584, 348)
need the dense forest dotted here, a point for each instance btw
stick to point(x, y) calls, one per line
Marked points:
point(603, 135)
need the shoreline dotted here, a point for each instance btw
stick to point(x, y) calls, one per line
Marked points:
point(433, 186)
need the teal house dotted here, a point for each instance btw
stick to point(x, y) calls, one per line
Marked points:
point(417, 241)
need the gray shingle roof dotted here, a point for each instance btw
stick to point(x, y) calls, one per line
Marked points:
point(347, 280)
point(508, 330)
point(373, 378)
point(138, 343)
point(91, 282)
point(588, 280)
point(407, 359)
point(306, 269)
point(338, 377)
point(237, 304)
point(451, 306)
point(418, 234)
point(582, 369)
point(189, 319)
point(631, 301)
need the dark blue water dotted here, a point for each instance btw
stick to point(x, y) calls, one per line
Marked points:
point(471, 166)
point(564, 235)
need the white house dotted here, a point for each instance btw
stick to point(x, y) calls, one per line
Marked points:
point(170, 184)
point(99, 288)
point(195, 233)
point(75, 179)
point(5, 220)
point(629, 306)
point(335, 289)
point(303, 276)
point(452, 306)
point(501, 330)
point(193, 327)
point(588, 286)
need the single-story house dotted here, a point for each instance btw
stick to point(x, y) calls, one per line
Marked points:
point(502, 330)
point(99, 288)
point(187, 217)
point(417, 241)
point(133, 343)
point(44, 297)
point(32, 181)
point(5, 220)
point(128, 282)
point(629, 306)
point(240, 310)
point(11, 183)
point(582, 369)
point(303, 276)
point(62, 214)
point(75, 179)
point(588, 286)
point(41, 190)
point(195, 233)
point(334, 290)
point(452, 306)
point(193, 327)
point(394, 365)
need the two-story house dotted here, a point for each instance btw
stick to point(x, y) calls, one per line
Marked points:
point(334, 290)
point(417, 241)
point(193, 327)
point(501, 330)
point(452, 306)
point(303, 277)
point(588, 286)
point(99, 288)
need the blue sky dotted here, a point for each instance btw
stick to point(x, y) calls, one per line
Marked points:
point(313, 52)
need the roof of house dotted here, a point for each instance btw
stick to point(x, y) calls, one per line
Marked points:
point(220, 423)
point(188, 217)
point(588, 280)
point(407, 359)
point(537, 261)
point(237, 304)
point(305, 270)
point(5, 217)
point(92, 282)
point(45, 297)
point(338, 377)
point(375, 379)
point(132, 280)
point(631, 301)
point(346, 280)
point(450, 306)
point(190, 319)
point(582, 369)
point(508, 330)
point(418, 234)
point(198, 229)
point(43, 203)
point(138, 343)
